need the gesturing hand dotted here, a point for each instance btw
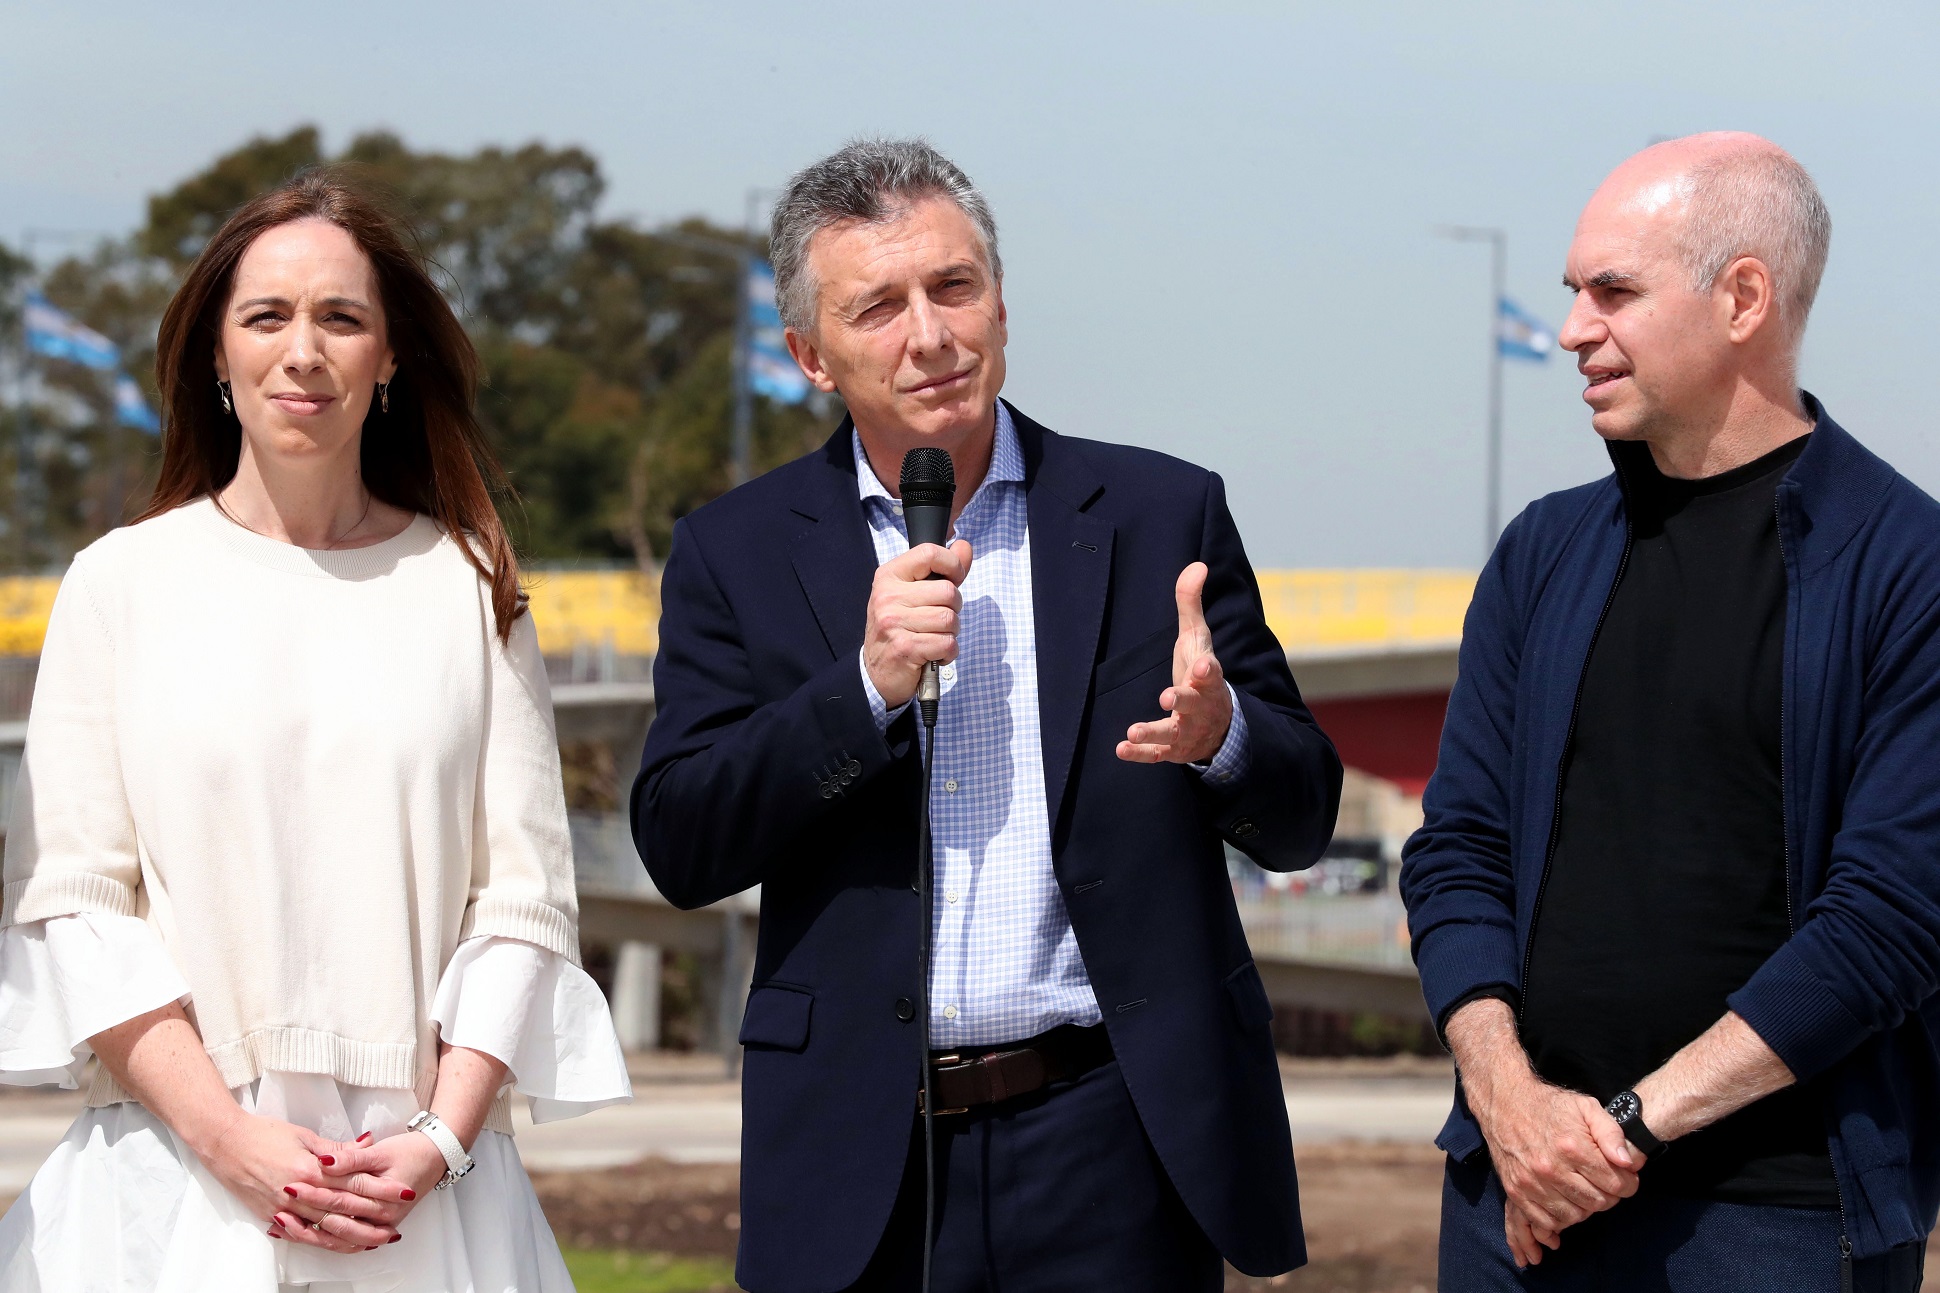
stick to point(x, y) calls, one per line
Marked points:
point(379, 1184)
point(1200, 705)
point(913, 618)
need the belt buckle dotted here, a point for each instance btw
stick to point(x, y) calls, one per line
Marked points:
point(937, 1064)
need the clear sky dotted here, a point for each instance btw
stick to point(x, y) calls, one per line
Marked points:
point(1216, 218)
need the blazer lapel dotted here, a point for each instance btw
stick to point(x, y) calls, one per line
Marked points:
point(1071, 554)
point(834, 558)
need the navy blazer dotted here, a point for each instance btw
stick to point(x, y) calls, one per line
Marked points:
point(764, 766)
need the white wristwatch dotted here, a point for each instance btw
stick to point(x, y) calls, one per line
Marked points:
point(457, 1161)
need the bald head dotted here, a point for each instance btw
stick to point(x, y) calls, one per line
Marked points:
point(1725, 195)
point(1694, 267)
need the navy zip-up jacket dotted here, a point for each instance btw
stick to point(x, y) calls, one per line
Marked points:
point(1850, 998)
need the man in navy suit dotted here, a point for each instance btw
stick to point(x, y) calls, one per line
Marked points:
point(1114, 706)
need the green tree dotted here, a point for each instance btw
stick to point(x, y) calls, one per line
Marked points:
point(606, 347)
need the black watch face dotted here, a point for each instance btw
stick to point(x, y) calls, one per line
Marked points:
point(1625, 1107)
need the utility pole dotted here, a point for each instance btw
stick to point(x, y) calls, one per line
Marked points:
point(1498, 242)
point(741, 456)
point(744, 352)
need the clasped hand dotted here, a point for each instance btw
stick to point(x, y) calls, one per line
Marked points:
point(1560, 1157)
point(359, 1192)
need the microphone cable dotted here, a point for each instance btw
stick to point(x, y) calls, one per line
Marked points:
point(927, 488)
point(928, 693)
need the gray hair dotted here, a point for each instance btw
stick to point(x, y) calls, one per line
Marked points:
point(871, 181)
point(1758, 202)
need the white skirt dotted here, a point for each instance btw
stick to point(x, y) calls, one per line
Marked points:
point(123, 1206)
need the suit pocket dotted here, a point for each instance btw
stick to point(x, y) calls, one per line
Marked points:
point(1134, 662)
point(1248, 997)
point(777, 1018)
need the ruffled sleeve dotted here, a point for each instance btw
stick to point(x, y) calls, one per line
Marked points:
point(71, 842)
point(541, 1016)
point(522, 850)
point(66, 978)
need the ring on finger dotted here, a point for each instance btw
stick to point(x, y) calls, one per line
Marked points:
point(318, 1223)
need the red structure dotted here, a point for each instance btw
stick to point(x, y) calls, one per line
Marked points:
point(1393, 737)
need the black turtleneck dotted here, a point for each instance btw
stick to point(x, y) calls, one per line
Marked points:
point(1667, 888)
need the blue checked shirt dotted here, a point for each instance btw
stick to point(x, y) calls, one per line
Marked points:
point(1006, 964)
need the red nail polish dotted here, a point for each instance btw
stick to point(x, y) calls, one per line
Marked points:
point(393, 1239)
point(290, 1190)
point(408, 1194)
point(275, 1233)
point(326, 1160)
point(361, 1139)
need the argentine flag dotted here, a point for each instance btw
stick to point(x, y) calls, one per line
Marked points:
point(131, 406)
point(1520, 334)
point(58, 335)
point(772, 371)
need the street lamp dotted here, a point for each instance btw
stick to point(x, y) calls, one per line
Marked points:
point(1498, 242)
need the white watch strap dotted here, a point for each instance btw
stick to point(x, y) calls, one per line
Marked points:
point(457, 1161)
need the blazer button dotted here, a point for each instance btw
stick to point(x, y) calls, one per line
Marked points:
point(905, 1009)
point(1244, 829)
point(855, 768)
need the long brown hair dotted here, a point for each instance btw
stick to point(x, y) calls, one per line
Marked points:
point(428, 454)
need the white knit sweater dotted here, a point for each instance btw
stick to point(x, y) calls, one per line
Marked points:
point(312, 773)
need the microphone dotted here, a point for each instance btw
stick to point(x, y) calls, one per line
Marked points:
point(929, 485)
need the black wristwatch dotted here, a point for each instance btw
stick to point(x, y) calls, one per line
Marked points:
point(1628, 1110)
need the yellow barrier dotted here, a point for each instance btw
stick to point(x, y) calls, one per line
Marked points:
point(1308, 610)
point(25, 603)
point(593, 608)
point(1346, 610)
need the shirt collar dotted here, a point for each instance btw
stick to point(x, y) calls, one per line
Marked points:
point(1006, 463)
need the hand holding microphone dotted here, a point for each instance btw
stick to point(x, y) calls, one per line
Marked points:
point(914, 606)
point(913, 617)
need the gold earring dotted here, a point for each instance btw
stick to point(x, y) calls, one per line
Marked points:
point(384, 396)
point(222, 389)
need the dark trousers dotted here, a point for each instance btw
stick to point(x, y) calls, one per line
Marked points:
point(1658, 1245)
point(1058, 1190)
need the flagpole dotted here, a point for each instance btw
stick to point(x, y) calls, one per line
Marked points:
point(22, 442)
point(23, 426)
point(743, 355)
point(1498, 241)
point(740, 374)
point(1499, 254)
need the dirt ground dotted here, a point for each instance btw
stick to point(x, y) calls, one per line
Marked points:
point(1370, 1212)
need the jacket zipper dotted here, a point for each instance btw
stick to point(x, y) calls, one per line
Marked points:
point(1785, 852)
point(1784, 831)
point(1569, 742)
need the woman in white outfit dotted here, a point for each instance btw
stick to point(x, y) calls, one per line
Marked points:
point(289, 853)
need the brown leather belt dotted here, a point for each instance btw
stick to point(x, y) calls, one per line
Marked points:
point(983, 1075)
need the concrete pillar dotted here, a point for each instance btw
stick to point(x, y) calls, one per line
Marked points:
point(636, 996)
point(737, 970)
